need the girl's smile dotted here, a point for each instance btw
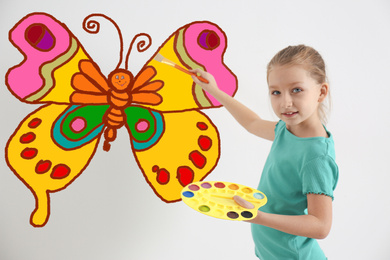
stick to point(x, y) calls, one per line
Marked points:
point(289, 114)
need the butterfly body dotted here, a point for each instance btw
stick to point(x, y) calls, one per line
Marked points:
point(173, 142)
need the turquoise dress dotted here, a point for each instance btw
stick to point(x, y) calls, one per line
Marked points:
point(295, 167)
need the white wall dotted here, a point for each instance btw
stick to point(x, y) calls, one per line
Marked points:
point(113, 214)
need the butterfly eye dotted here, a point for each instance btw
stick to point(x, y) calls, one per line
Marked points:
point(117, 77)
point(122, 77)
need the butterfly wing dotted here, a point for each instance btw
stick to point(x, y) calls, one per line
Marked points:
point(195, 45)
point(50, 149)
point(51, 58)
point(172, 149)
point(176, 144)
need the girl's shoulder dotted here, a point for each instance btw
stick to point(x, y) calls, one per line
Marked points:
point(310, 147)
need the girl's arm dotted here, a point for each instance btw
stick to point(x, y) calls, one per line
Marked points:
point(316, 224)
point(246, 117)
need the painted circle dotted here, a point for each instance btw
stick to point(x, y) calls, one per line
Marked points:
point(29, 153)
point(202, 126)
point(206, 185)
point(27, 138)
point(208, 40)
point(60, 171)
point(205, 142)
point(246, 214)
point(34, 123)
point(193, 187)
point(232, 215)
point(204, 208)
point(40, 37)
point(219, 185)
point(188, 194)
point(258, 195)
point(233, 187)
point(142, 125)
point(247, 190)
point(78, 124)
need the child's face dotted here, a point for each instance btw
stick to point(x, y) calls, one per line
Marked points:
point(295, 95)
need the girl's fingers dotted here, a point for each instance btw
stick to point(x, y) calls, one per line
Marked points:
point(200, 72)
point(196, 71)
point(196, 80)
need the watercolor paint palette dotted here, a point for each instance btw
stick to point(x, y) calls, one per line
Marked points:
point(215, 199)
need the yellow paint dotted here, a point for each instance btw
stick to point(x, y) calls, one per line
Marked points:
point(63, 76)
point(177, 92)
point(179, 139)
point(42, 184)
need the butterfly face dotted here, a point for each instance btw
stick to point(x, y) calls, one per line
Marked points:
point(120, 80)
point(173, 142)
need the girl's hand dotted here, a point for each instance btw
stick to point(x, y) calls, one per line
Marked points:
point(245, 204)
point(210, 87)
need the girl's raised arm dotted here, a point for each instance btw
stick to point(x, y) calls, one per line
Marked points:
point(246, 117)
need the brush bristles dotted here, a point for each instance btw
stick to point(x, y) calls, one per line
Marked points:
point(161, 59)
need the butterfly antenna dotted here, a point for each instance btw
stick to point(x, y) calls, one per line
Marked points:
point(142, 46)
point(93, 26)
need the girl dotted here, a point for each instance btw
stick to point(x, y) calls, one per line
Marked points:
point(300, 173)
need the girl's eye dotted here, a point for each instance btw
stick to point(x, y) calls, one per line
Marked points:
point(275, 93)
point(296, 90)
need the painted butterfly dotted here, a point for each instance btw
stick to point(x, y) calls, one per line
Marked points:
point(173, 142)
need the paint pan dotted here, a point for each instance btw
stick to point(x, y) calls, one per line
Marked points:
point(215, 199)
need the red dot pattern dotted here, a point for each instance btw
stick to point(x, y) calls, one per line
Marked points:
point(59, 171)
point(185, 173)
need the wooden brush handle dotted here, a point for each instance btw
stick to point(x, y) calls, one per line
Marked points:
point(192, 74)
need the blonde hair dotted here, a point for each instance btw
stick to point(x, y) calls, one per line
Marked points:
point(313, 63)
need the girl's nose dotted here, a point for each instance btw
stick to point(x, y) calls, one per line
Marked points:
point(287, 101)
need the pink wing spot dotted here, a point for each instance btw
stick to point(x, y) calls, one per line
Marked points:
point(60, 171)
point(163, 175)
point(208, 40)
point(142, 126)
point(34, 123)
point(27, 138)
point(78, 124)
point(205, 143)
point(29, 153)
point(202, 126)
point(40, 37)
point(185, 175)
point(43, 166)
point(198, 159)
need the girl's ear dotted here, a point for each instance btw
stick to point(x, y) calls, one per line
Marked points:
point(324, 89)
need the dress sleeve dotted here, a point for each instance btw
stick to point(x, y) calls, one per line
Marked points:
point(320, 176)
point(279, 126)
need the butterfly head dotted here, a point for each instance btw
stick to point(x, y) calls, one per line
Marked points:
point(120, 79)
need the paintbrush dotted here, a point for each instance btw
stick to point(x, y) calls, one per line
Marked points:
point(161, 59)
